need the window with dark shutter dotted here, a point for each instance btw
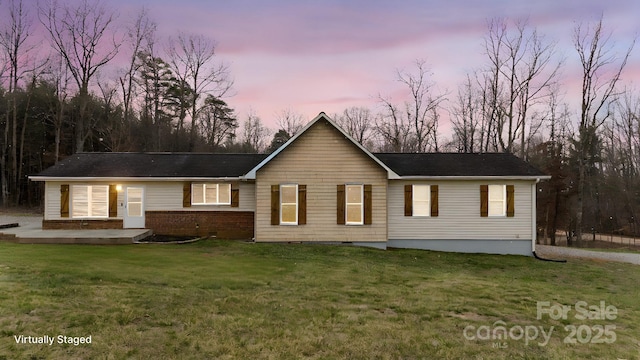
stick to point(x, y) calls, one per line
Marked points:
point(186, 194)
point(434, 200)
point(64, 200)
point(484, 200)
point(302, 204)
point(235, 195)
point(368, 205)
point(113, 201)
point(497, 201)
point(510, 201)
point(408, 200)
point(275, 204)
point(340, 205)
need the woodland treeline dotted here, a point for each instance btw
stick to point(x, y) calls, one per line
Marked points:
point(65, 88)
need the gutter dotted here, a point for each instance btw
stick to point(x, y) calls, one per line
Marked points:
point(492, 177)
point(131, 178)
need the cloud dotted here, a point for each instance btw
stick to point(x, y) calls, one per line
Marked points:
point(312, 55)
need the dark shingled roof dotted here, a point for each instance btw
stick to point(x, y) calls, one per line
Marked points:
point(183, 165)
point(196, 165)
point(456, 164)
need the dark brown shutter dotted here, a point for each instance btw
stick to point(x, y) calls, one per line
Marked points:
point(186, 194)
point(510, 201)
point(235, 195)
point(408, 200)
point(302, 204)
point(368, 202)
point(484, 200)
point(64, 200)
point(434, 200)
point(340, 204)
point(275, 204)
point(113, 201)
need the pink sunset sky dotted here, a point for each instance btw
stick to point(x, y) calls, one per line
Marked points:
point(311, 56)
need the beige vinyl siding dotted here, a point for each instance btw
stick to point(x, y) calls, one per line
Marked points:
point(52, 200)
point(321, 159)
point(459, 213)
point(158, 196)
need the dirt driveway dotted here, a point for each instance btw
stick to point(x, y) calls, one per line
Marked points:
point(560, 252)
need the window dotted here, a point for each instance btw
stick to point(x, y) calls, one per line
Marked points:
point(211, 194)
point(90, 201)
point(497, 200)
point(354, 205)
point(289, 204)
point(421, 200)
point(421, 196)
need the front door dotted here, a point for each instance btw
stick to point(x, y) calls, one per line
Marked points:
point(134, 207)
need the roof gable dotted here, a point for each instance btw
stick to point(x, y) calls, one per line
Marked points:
point(321, 117)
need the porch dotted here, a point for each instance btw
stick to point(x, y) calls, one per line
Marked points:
point(29, 231)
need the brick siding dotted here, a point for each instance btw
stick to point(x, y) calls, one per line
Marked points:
point(81, 224)
point(222, 224)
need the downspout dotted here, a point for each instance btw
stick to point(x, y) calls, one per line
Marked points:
point(534, 232)
point(534, 214)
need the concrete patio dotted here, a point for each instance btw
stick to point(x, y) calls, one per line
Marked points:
point(30, 231)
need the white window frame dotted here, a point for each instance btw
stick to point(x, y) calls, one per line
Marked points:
point(204, 194)
point(494, 190)
point(421, 207)
point(347, 203)
point(91, 205)
point(297, 204)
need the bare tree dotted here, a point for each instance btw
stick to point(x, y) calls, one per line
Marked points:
point(254, 134)
point(16, 49)
point(409, 128)
point(601, 71)
point(393, 128)
point(422, 104)
point(520, 71)
point(139, 35)
point(58, 76)
point(557, 119)
point(289, 121)
point(79, 34)
point(359, 123)
point(466, 114)
point(627, 124)
point(112, 136)
point(192, 60)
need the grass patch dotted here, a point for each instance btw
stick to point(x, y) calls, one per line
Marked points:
point(219, 299)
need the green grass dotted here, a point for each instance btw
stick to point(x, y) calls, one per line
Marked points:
point(233, 300)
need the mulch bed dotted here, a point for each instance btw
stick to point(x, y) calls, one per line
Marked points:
point(155, 238)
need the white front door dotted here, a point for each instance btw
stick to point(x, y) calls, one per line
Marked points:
point(134, 207)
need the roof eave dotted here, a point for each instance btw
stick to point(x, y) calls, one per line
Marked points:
point(135, 178)
point(493, 177)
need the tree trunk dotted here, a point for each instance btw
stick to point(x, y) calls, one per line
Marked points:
point(13, 179)
point(580, 202)
point(79, 123)
point(3, 163)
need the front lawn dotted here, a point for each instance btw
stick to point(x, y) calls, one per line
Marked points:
point(234, 300)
